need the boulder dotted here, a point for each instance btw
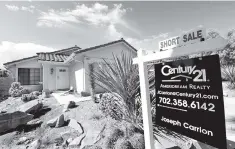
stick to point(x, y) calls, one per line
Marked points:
point(35, 144)
point(35, 122)
point(71, 104)
point(21, 140)
point(52, 122)
point(60, 121)
point(31, 107)
point(12, 120)
point(77, 126)
point(66, 142)
point(58, 141)
point(92, 136)
point(77, 141)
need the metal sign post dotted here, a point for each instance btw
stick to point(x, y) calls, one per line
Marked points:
point(213, 44)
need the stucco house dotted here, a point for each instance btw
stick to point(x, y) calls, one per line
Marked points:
point(62, 69)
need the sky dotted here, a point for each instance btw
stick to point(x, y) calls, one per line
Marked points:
point(30, 27)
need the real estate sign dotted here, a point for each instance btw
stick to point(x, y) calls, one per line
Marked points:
point(190, 99)
point(190, 37)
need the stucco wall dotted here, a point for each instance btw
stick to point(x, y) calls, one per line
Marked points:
point(26, 64)
point(49, 78)
point(79, 72)
point(77, 75)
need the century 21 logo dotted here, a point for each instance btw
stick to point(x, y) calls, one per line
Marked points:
point(181, 71)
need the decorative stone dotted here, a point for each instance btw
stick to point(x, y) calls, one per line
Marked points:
point(31, 107)
point(91, 138)
point(21, 140)
point(71, 104)
point(77, 141)
point(52, 122)
point(35, 144)
point(58, 141)
point(35, 122)
point(77, 126)
point(60, 121)
point(12, 120)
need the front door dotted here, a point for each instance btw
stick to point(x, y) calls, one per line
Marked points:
point(62, 78)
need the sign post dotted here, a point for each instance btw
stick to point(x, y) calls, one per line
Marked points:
point(146, 105)
point(213, 44)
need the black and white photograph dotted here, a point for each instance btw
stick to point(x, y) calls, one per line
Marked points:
point(117, 74)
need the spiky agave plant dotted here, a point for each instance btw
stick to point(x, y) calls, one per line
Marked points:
point(121, 78)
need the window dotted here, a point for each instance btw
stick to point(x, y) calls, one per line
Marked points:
point(29, 76)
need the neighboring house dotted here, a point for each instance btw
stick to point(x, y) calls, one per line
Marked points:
point(65, 68)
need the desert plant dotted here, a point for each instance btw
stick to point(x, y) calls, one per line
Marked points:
point(28, 97)
point(109, 106)
point(92, 82)
point(227, 60)
point(16, 90)
point(120, 78)
point(36, 93)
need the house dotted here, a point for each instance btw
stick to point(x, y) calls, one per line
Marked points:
point(62, 69)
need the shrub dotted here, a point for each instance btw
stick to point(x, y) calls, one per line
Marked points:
point(85, 94)
point(25, 91)
point(46, 93)
point(109, 105)
point(16, 90)
point(28, 97)
point(36, 93)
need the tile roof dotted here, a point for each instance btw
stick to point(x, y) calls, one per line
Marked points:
point(52, 57)
point(104, 45)
point(72, 49)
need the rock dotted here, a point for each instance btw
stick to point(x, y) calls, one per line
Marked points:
point(91, 138)
point(21, 140)
point(69, 140)
point(35, 122)
point(31, 107)
point(58, 141)
point(66, 142)
point(60, 121)
point(77, 141)
point(12, 120)
point(92, 147)
point(71, 104)
point(35, 144)
point(74, 124)
point(52, 122)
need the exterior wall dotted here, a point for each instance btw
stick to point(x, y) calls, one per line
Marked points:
point(26, 64)
point(49, 78)
point(77, 74)
point(79, 70)
point(5, 84)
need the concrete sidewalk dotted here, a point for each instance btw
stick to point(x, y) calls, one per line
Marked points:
point(64, 99)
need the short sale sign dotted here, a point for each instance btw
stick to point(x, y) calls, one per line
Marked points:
point(190, 37)
point(190, 99)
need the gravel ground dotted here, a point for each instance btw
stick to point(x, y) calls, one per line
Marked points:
point(87, 113)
